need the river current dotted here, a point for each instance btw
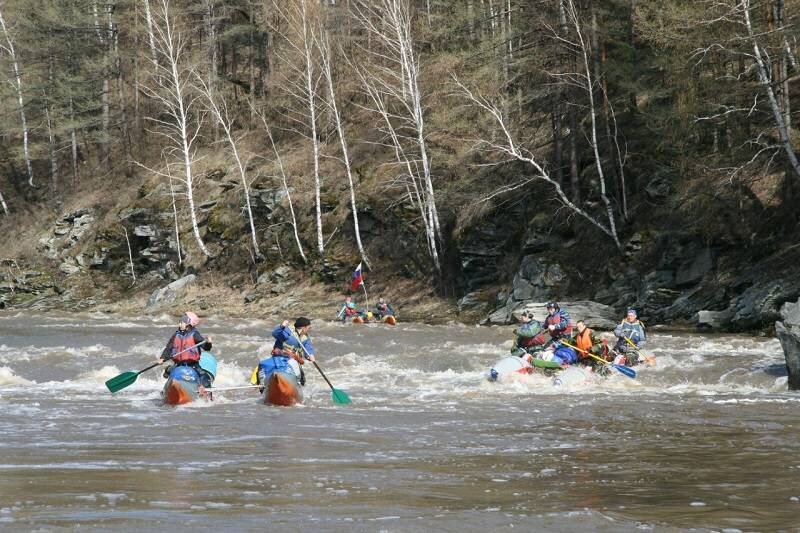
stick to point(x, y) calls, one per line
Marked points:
point(707, 438)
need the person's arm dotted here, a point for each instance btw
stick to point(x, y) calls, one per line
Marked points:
point(166, 354)
point(282, 332)
point(203, 343)
point(309, 350)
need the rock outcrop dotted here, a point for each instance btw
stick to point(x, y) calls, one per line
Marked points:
point(788, 331)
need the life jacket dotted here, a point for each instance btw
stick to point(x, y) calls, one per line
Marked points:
point(584, 342)
point(185, 341)
point(562, 322)
point(350, 311)
point(632, 330)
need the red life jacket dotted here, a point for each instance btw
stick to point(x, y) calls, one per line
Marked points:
point(185, 341)
point(350, 312)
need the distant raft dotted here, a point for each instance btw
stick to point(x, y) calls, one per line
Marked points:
point(284, 389)
point(370, 318)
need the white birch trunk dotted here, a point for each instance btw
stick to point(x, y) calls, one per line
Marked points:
point(285, 187)
point(173, 93)
point(223, 119)
point(148, 17)
point(311, 92)
point(766, 83)
point(593, 115)
point(17, 83)
point(175, 215)
point(325, 56)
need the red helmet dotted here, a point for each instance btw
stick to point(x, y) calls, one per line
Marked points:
point(190, 318)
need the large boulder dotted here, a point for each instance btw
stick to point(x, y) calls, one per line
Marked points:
point(166, 296)
point(788, 332)
point(596, 315)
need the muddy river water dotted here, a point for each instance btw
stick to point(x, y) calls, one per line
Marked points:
point(707, 438)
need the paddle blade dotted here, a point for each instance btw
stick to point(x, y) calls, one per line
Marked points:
point(628, 371)
point(123, 380)
point(340, 397)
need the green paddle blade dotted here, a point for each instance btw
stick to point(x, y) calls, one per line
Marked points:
point(541, 363)
point(123, 380)
point(340, 397)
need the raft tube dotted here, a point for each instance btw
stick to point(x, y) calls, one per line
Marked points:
point(390, 319)
point(510, 366)
point(183, 386)
point(283, 388)
point(575, 376)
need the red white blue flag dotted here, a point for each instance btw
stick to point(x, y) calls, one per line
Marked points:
point(358, 279)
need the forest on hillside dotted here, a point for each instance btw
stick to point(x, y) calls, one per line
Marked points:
point(429, 116)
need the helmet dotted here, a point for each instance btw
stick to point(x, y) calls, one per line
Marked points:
point(190, 318)
point(554, 305)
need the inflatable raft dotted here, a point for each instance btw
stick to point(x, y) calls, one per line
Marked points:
point(388, 319)
point(185, 384)
point(283, 388)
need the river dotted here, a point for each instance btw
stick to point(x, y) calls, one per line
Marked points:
point(707, 438)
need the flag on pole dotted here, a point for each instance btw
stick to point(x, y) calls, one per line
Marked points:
point(358, 279)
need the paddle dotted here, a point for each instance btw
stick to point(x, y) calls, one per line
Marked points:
point(649, 359)
point(338, 396)
point(628, 371)
point(126, 379)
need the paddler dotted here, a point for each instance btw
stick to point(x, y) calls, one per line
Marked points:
point(184, 348)
point(382, 308)
point(631, 336)
point(349, 309)
point(557, 324)
point(525, 335)
point(587, 343)
point(287, 352)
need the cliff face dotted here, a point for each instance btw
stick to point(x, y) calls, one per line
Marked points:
point(507, 259)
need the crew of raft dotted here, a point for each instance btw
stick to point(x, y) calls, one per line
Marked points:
point(555, 340)
point(291, 350)
point(552, 340)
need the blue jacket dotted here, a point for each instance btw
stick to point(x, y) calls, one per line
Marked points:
point(283, 336)
point(632, 330)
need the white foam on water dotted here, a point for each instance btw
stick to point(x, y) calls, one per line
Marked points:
point(9, 378)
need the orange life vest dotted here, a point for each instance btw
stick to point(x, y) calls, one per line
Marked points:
point(185, 341)
point(584, 342)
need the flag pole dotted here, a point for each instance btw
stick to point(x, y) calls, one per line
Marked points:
point(366, 296)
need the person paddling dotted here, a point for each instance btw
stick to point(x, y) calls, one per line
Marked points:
point(557, 324)
point(587, 343)
point(631, 337)
point(349, 309)
point(382, 308)
point(525, 335)
point(184, 347)
point(287, 352)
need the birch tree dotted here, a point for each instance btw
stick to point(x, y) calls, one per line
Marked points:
point(505, 143)
point(222, 117)
point(16, 83)
point(392, 75)
point(172, 89)
point(284, 182)
point(301, 28)
point(324, 46)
